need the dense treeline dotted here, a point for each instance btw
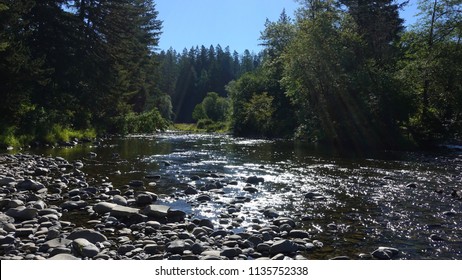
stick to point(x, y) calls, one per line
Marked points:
point(347, 73)
point(69, 66)
point(343, 72)
point(189, 76)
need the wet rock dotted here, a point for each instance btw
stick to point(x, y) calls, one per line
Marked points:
point(299, 234)
point(190, 191)
point(284, 220)
point(206, 223)
point(213, 186)
point(314, 196)
point(271, 213)
point(385, 253)
point(88, 234)
point(204, 197)
point(436, 237)
point(195, 178)
point(250, 189)
point(284, 247)
point(254, 180)
point(153, 177)
point(136, 184)
point(174, 215)
point(156, 211)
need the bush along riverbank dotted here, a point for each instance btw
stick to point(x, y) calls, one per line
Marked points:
point(51, 209)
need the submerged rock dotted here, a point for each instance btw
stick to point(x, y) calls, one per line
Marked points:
point(385, 253)
point(254, 180)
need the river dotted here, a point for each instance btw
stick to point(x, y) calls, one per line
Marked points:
point(351, 204)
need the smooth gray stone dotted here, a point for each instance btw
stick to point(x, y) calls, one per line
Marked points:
point(230, 252)
point(123, 211)
point(103, 207)
point(119, 200)
point(284, 221)
point(24, 232)
point(22, 213)
point(198, 231)
point(6, 180)
point(88, 234)
point(279, 256)
point(156, 211)
point(176, 247)
point(85, 248)
point(29, 185)
point(60, 250)
point(144, 199)
point(284, 247)
point(271, 213)
point(151, 249)
point(9, 239)
point(124, 249)
point(64, 257)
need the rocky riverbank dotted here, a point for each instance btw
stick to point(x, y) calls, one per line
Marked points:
point(40, 196)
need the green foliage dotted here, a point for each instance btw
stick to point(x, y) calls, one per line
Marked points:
point(213, 107)
point(338, 77)
point(78, 65)
point(431, 72)
point(147, 122)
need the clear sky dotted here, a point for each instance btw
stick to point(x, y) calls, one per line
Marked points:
point(233, 23)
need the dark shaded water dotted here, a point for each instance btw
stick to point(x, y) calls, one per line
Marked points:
point(366, 201)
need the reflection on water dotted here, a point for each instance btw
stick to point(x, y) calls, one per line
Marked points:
point(352, 204)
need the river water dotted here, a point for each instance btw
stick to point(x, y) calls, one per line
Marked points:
point(352, 204)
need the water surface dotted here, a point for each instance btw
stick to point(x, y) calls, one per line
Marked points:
point(361, 202)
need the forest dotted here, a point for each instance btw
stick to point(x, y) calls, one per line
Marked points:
point(341, 72)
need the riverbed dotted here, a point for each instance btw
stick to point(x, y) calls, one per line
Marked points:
point(350, 204)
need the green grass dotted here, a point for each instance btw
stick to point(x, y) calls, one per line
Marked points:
point(218, 127)
point(56, 134)
point(59, 134)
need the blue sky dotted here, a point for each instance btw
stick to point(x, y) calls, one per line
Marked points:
point(233, 23)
